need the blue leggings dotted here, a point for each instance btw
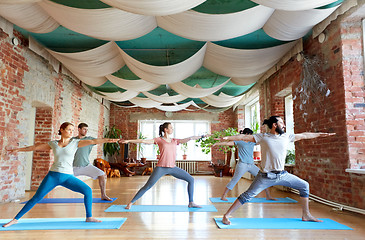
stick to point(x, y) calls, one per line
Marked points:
point(158, 172)
point(54, 179)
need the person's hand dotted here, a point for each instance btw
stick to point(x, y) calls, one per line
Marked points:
point(123, 141)
point(326, 134)
point(12, 151)
point(113, 140)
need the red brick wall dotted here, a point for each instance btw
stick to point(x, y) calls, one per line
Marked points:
point(120, 118)
point(42, 161)
point(12, 68)
point(322, 161)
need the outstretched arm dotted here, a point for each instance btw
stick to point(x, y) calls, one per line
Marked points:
point(309, 135)
point(185, 140)
point(84, 143)
point(240, 137)
point(37, 147)
point(145, 141)
point(223, 144)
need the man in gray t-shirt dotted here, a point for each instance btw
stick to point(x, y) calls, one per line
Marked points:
point(82, 166)
point(274, 146)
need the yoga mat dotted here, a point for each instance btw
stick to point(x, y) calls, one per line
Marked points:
point(71, 200)
point(160, 208)
point(62, 224)
point(279, 223)
point(254, 200)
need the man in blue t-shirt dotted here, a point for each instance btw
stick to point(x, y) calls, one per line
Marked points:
point(82, 166)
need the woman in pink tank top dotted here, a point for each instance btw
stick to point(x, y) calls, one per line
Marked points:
point(166, 164)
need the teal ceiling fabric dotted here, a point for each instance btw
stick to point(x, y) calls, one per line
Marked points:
point(167, 54)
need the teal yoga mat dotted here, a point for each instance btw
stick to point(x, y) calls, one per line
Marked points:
point(62, 224)
point(160, 208)
point(71, 200)
point(279, 223)
point(254, 200)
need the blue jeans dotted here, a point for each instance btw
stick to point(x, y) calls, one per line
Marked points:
point(261, 182)
point(54, 179)
point(158, 172)
point(242, 168)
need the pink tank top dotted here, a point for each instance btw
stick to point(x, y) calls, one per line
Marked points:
point(167, 152)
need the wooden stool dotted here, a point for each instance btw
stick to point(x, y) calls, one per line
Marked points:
point(147, 170)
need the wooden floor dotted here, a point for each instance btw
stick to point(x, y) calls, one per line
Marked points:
point(179, 225)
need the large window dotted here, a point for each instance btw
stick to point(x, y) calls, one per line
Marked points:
point(182, 129)
point(252, 112)
point(289, 119)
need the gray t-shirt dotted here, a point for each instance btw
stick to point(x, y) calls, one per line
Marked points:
point(273, 150)
point(81, 158)
point(63, 156)
point(245, 151)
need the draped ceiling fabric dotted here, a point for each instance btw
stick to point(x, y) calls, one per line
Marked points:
point(167, 54)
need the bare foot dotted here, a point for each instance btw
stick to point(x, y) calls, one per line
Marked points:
point(106, 198)
point(224, 199)
point(271, 198)
point(225, 220)
point(194, 205)
point(310, 218)
point(14, 221)
point(129, 206)
point(91, 219)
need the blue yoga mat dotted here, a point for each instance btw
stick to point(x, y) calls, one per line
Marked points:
point(71, 200)
point(62, 224)
point(279, 223)
point(160, 208)
point(254, 200)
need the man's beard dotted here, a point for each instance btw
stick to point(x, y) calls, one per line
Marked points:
point(279, 130)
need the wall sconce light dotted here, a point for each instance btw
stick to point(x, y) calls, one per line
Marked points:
point(322, 37)
point(15, 41)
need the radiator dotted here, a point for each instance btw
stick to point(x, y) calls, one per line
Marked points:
point(189, 166)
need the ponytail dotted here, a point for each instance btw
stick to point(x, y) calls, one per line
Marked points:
point(162, 128)
point(64, 126)
point(270, 121)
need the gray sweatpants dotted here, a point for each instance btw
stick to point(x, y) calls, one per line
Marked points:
point(159, 172)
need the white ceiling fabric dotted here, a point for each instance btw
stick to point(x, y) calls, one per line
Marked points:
point(165, 74)
point(135, 85)
point(196, 91)
point(246, 80)
point(96, 62)
point(154, 7)
point(120, 96)
point(284, 20)
point(177, 107)
point(92, 81)
point(107, 24)
point(222, 100)
point(29, 16)
point(145, 102)
point(165, 99)
point(291, 25)
point(215, 27)
point(242, 62)
point(293, 5)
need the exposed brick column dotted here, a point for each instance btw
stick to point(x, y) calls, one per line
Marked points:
point(76, 105)
point(42, 161)
point(353, 74)
point(12, 68)
point(101, 123)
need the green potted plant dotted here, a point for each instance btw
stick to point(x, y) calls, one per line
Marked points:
point(112, 149)
point(157, 151)
point(184, 148)
point(207, 142)
point(290, 157)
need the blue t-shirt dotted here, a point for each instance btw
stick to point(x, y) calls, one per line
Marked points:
point(245, 151)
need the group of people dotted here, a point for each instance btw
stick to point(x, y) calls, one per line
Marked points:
point(71, 158)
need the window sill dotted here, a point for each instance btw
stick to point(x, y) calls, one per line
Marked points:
point(358, 171)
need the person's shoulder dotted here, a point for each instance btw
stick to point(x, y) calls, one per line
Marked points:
point(88, 138)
